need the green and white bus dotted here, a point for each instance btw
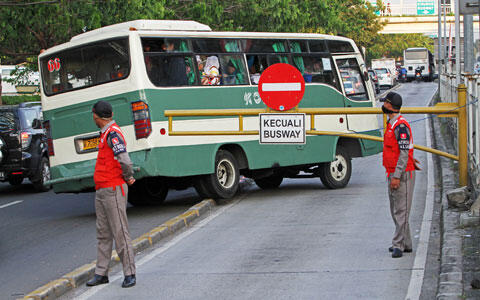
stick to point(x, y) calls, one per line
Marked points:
point(145, 67)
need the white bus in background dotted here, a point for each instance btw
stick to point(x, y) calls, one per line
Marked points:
point(419, 57)
point(28, 85)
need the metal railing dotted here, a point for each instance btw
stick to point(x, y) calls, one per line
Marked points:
point(448, 91)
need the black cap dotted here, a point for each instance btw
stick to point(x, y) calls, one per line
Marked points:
point(102, 109)
point(394, 99)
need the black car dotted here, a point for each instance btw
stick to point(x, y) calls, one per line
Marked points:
point(23, 145)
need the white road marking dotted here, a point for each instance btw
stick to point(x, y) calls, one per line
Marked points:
point(11, 203)
point(418, 269)
point(93, 290)
point(281, 87)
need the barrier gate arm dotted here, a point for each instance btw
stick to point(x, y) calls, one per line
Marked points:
point(452, 110)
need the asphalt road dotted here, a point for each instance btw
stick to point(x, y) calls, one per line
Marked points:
point(300, 241)
point(46, 235)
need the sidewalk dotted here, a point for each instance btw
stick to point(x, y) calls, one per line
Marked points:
point(460, 247)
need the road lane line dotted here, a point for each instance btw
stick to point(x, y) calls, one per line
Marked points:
point(93, 290)
point(11, 203)
point(418, 271)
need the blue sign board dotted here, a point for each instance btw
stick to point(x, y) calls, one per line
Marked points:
point(425, 7)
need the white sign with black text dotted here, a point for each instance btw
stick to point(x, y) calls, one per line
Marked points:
point(282, 129)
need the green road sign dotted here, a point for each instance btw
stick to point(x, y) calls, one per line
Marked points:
point(425, 7)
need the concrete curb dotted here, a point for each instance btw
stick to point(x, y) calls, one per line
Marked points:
point(79, 276)
point(450, 285)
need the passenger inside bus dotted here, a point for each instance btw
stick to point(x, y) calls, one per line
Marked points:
point(211, 74)
point(174, 67)
point(230, 76)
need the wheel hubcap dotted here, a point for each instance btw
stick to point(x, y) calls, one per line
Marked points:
point(225, 174)
point(46, 173)
point(338, 168)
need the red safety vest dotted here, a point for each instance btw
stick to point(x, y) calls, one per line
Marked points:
point(391, 150)
point(108, 172)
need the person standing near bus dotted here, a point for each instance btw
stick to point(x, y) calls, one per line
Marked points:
point(400, 167)
point(113, 171)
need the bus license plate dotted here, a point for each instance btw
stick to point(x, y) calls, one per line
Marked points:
point(91, 143)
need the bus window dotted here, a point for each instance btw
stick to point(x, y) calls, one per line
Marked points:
point(352, 79)
point(317, 46)
point(168, 63)
point(217, 45)
point(258, 63)
point(233, 69)
point(84, 66)
point(299, 46)
point(315, 68)
point(340, 46)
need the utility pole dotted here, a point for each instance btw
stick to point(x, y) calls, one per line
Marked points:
point(457, 42)
point(439, 39)
point(468, 44)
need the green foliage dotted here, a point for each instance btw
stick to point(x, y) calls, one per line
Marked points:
point(10, 100)
point(26, 29)
point(392, 45)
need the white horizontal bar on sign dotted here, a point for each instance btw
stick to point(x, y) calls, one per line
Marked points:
point(281, 87)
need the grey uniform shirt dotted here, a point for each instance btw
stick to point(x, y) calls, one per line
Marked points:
point(402, 134)
point(118, 146)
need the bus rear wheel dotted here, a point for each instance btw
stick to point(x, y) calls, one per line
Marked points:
point(336, 174)
point(147, 192)
point(223, 184)
point(270, 182)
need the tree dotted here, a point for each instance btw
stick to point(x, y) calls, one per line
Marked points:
point(34, 25)
point(392, 45)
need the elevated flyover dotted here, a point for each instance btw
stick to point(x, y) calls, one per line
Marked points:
point(427, 25)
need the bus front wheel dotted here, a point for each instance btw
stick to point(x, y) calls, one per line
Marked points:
point(223, 184)
point(336, 174)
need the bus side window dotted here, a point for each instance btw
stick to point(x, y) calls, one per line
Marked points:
point(233, 70)
point(315, 68)
point(352, 80)
point(256, 65)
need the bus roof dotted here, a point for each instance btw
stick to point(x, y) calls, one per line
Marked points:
point(178, 28)
point(154, 25)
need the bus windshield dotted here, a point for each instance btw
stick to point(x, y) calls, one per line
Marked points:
point(85, 66)
point(416, 54)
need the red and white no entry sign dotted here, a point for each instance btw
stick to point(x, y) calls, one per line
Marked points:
point(281, 87)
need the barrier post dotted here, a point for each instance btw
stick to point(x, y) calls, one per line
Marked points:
point(462, 135)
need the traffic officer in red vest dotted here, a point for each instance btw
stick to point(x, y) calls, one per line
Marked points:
point(400, 167)
point(113, 171)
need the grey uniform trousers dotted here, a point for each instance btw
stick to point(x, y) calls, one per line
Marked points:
point(112, 224)
point(400, 204)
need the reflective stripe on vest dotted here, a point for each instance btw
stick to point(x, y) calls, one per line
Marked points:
point(108, 172)
point(391, 150)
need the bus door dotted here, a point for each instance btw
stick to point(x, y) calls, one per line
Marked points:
point(357, 91)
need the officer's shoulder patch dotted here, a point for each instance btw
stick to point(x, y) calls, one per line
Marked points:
point(117, 143)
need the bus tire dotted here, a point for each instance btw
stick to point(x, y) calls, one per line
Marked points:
point(223, 184)
point(270, 182)
point(336, 174)
point(148, 191)
point(201, 188)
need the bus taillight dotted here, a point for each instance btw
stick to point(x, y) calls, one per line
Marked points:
point(141, 119)
point(46, 126)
